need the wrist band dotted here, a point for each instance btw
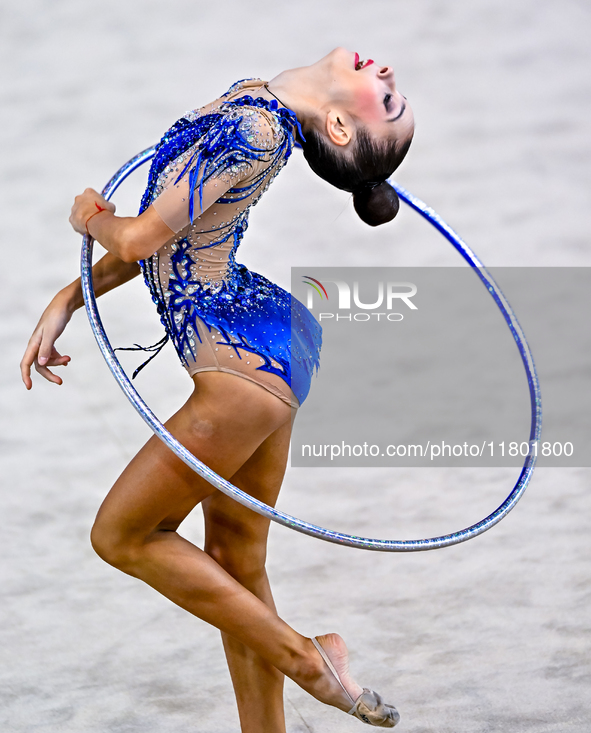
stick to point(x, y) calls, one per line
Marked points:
point(100, 208)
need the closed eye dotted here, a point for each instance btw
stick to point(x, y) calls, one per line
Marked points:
point(402, 108)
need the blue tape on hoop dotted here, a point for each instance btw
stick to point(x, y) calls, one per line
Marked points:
point(280, 517)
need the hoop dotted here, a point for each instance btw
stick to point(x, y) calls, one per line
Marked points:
point(276, 515)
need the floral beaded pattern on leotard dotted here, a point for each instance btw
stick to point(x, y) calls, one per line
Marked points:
point(209, 169)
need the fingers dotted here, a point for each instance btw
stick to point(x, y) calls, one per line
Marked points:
point(42, 354)
point(46, 347)
point(28, 359)
point(53, 361)
point(48, 374)
point(26, 375)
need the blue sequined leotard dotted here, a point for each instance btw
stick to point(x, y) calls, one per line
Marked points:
point(209, 169)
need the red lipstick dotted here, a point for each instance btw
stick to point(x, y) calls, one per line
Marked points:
point(361, 64)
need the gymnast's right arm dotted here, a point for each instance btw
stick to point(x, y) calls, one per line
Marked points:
point(121, 237)
point(108, 273)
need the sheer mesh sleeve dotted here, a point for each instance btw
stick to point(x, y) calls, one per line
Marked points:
point(173, 203)
point(180, 181)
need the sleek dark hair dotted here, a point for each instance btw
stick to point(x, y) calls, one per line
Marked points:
point(364, 173)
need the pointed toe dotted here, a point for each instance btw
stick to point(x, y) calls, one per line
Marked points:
point(371, 709)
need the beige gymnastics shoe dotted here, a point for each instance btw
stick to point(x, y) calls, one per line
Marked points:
point(369, 706)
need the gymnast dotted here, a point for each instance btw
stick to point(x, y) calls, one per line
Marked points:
point(232, 329)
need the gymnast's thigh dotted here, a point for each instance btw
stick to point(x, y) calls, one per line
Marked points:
point(231, 527)
point(223, 423)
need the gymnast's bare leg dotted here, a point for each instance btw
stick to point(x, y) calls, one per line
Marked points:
point(236, 538)
point(241, 432)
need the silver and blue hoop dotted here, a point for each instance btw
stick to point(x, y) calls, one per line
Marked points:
point(274, 514)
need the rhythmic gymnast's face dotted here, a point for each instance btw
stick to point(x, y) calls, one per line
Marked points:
point(362, 93)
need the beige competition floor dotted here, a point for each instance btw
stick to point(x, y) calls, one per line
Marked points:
point(492, 636)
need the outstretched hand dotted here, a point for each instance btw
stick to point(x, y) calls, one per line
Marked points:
point(41, 351)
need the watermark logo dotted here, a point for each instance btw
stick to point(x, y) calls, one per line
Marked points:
point(384, 295)
point(318, 287)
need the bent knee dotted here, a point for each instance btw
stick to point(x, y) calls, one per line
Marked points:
point(112, 547)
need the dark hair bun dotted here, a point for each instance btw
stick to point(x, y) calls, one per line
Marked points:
point(376, 205)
